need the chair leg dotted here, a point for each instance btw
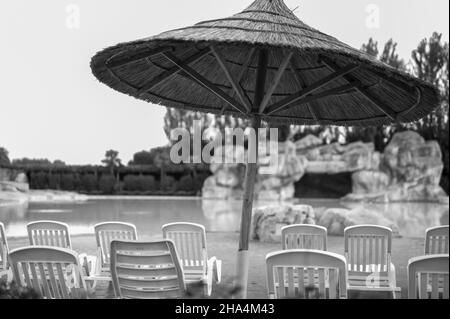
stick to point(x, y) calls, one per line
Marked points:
point(209, 281)
point(393, 281)
point(218, 271)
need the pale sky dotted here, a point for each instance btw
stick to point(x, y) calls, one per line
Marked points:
point(51, 106)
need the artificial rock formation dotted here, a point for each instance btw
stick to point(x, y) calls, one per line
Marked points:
point(410, 170)
point(275, 180)
point(337, 219)
point(268, 220)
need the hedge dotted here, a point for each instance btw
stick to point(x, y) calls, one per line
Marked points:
point(130, 181)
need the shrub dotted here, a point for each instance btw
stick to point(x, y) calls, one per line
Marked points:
point(39, 180)
point(186, 183)
point(53, 181)
point(88, 183)
point(14, 291)
point(107, 184)
point(133, 183)
point(168, 184)
point(67, 182)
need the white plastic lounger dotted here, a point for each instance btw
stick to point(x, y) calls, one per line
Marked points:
point(436, 240)
point(146, 270)
point(428, 277)
point(190, 242)
point(304, 237)
point(368, 251)
point(5, 270)
point(97, 268)
point(306, 274)
point(49, 233)
point(54, 273)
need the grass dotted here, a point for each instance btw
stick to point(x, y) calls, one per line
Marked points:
point(224, 246)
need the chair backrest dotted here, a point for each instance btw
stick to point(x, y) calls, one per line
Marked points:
point(105, 233)
point(49, 233)
point(190, 242)
point(368, 248)
point(436, 240)
point(4, 250)
point(428, 277)
point(54, 273)
point(304, 237)
point(305, 273)
point(146, 270)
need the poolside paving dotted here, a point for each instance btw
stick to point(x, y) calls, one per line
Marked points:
point(224, 245)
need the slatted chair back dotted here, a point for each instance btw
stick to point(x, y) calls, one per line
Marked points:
point(428, 277)
point(304, 237)
point(105, 233)
point(190, 242)
point(306, 274)
point(54, 273)
point(368, 249)
point(4, 250)
point(436, 240)
point(49, 233)
point(146, 270)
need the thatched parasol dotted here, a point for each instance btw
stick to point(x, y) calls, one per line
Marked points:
point(267, 65)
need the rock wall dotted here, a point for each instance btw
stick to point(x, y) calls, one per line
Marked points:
point(268, 221)
point(409, 170)
point(228, 178)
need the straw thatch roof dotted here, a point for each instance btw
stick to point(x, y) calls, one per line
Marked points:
point(312, 78)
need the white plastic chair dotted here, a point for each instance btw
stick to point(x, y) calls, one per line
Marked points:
point(304, 237)
point(368, 251)
point(428, 277)
point(54, 273)
point(97, 268)
point(49, 233)
point(146, 270)
point(306, 274)
point(436, 240)
point(190, 242)
point(5, 270)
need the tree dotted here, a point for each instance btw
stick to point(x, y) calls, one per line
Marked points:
point(371, 48)
point(176, 118)
point(4, 156)
point(113, 162)
point(31, 162)
point(142, 158)
point(391, 57)
point(430, 63)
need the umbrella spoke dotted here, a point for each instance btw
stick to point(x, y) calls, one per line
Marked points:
point(275, 82)
point(335, 91)
point(114, 62)
point(235, 84)
point(246, 65)
point(167, 74)
point(301, 83)
point(363, 91)
point(195, 76)
point(339, 73)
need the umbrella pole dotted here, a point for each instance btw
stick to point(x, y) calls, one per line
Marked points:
point(246, 218)
point(242, 264)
